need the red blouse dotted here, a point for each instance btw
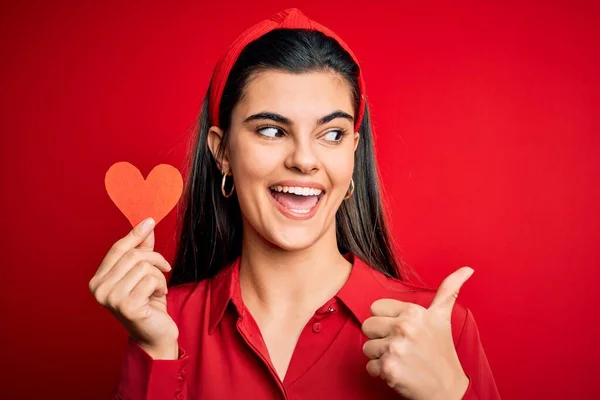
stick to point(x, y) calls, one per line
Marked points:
point(222, 354)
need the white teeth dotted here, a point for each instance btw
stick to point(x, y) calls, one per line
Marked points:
point(298, 190)
point(299, 211)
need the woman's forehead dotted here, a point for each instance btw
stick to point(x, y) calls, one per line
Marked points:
point(308, 95)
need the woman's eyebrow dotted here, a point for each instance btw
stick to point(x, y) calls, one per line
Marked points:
point(334, 115)
point(284, 120)
point(269, 115)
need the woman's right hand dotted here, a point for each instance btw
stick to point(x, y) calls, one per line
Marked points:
point(131, 284)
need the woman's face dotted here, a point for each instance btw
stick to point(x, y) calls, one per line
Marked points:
point(291, 154)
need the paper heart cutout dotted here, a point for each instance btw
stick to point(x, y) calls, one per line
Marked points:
point(140, 198)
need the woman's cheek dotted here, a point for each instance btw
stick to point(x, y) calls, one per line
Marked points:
point(257, 163)
point(339, 167)
point(254, 169)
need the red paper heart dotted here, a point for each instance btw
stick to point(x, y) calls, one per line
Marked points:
point(140, 198)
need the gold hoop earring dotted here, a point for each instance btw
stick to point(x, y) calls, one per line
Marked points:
point(351, 190)
point(226, 195)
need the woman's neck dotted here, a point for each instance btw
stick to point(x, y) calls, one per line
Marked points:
point(276, 281)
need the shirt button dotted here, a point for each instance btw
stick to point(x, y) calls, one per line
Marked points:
point(316, 327)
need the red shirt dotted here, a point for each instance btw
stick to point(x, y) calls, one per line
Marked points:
point(222, 354)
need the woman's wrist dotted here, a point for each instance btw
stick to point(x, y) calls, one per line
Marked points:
point(167, 351)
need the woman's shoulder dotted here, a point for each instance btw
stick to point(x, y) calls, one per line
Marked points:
point(190, 293)
point(422, 295)
point(373, 282)
point(404, 290)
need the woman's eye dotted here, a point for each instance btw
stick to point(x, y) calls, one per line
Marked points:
point(334, 136)
point(270, 132)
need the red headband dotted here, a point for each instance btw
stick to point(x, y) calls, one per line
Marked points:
point(291, 19)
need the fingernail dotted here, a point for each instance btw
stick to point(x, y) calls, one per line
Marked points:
point(147, 223)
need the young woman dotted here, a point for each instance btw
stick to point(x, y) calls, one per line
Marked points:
point(285, 284)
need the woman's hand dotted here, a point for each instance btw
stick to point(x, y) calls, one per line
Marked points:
point(411, 347)
point(129, 282)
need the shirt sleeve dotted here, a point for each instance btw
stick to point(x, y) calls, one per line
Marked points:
point(143, 378)
point(482, 385)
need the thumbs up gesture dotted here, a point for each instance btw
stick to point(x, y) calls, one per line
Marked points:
point(411, 347)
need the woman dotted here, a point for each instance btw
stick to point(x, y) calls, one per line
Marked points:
point(285, 284)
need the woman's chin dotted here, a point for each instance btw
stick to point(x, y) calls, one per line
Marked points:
point(293, 239)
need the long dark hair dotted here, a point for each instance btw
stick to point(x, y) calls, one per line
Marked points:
point(210, 226)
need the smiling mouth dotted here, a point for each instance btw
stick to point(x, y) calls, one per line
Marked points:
point(296, 200)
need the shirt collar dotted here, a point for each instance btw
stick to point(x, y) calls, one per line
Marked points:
point(225, 287)
point(363, 287)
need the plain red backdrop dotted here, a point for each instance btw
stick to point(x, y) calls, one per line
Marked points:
point(487, 137)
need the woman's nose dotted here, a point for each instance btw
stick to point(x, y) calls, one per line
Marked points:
point(303, 157)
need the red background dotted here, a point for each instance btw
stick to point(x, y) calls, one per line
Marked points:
point(488, 143)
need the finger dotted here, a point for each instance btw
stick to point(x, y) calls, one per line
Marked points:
point(377, 327)
point(103, 286)
point(392, 370)
point(148, 243)
point(448, 291)
point(124, 287)
point(135, 306)
point(375, 348)
point(374, 368)
point(130, 259)
point(123, 245)
point(388, 307)
point(148, 286)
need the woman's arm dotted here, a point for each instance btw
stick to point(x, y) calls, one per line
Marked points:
point(143, 378)
point(475, 364)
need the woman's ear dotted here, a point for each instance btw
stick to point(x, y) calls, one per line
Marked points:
point(214, 141)
point(356, 140)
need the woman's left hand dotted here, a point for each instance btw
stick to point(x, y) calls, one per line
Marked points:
point(411, 347)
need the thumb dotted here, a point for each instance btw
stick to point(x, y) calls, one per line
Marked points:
point(448, 290)
point(148, 243)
